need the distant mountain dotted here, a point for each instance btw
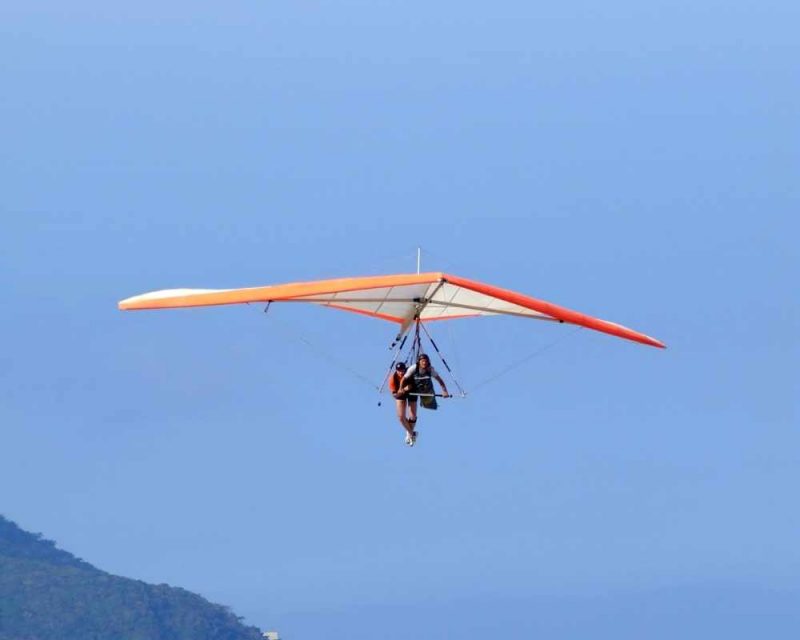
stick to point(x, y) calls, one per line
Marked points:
point(49, 594)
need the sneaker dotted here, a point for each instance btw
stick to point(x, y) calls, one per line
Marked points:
point(413, 438)
point(409, 440)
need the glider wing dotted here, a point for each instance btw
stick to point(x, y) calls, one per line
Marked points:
point(397, 298)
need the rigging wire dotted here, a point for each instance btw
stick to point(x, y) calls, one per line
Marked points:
point(453, 346)
point(441, 357)
point(395, 360)
point(443, 264)
point(415, 348)
point(400, 263)
point(317, 350)
point(522, 361)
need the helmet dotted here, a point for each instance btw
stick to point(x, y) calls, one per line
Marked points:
point(423, 356)
point(400, 366)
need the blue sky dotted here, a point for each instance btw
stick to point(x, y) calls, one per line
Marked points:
point(639, 163)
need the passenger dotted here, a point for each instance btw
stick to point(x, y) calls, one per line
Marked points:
point(403, 401)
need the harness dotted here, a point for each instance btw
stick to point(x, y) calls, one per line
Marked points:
point(423, 382)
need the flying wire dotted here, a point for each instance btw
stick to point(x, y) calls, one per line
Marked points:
point(319, 351)
point(522, 361)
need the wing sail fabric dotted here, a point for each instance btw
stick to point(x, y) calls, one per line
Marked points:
point(396, 298)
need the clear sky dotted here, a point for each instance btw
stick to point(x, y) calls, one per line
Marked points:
point(635, 161)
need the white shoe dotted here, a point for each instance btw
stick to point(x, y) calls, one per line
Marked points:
point(409, 440)
point(413, 439)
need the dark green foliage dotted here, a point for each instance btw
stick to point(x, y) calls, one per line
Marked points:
point(47, 594)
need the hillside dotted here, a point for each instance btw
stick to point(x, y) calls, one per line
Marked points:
point(47, 593)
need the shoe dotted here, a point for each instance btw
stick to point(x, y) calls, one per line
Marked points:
point(413, 438)
point(409, 440)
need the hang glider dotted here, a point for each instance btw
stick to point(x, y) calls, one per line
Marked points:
point(403, 299)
